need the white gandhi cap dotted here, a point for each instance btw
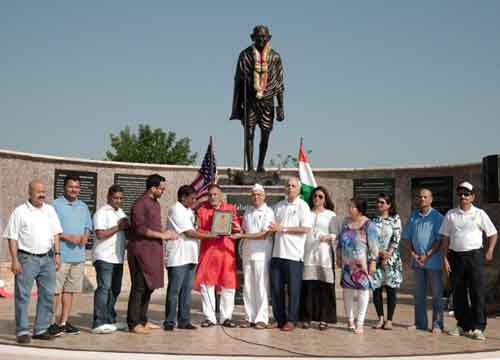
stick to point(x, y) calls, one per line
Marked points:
point(258, 188)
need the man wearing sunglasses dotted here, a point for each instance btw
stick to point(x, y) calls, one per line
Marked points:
point(462, 232)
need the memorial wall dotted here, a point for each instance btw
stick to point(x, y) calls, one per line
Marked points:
point(17, 169)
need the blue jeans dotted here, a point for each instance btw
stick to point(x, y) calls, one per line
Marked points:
point(109, 284)
point(422, 277)
point(288, 272)
point(180, 283)
point(43, 271)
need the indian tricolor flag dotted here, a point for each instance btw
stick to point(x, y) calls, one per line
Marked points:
point(306, 176)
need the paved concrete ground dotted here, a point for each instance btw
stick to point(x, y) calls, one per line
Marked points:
point(217, 342)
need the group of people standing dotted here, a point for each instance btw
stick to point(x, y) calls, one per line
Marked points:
point(290, 247)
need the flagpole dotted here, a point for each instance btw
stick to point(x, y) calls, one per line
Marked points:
point(212, 153)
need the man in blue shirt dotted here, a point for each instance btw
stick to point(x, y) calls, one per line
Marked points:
point(76, 223)
point(422, 230)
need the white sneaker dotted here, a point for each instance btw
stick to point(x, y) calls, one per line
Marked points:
point(104, 329)
point(121, 326)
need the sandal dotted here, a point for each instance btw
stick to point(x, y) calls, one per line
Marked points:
point(260, 325)
point(245, 324)
point(379, 325)
point(359, 330)
point(207, 323)
point(229, 323)
point(388, 325)
point(350, 325)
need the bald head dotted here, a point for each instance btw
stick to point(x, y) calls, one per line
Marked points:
point(260, 36)
point(37, 192)
point(424, 199)
point(292, 188)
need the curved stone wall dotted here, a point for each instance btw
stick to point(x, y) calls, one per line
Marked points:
point(17, 169)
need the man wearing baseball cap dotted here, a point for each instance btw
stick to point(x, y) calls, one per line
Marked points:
point(462, 230)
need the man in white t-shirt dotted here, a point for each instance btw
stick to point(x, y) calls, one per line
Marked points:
point(33, 233)
point(293, 222)
point(110, 223)
point(462, 230)
point(256, 253)
point(181, 259)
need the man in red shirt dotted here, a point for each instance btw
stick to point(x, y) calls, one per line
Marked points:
point(217, 264)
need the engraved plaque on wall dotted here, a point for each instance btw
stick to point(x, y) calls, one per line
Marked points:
point(133, 187)
point(368, 189)
point(88, 189)
point(442, 191)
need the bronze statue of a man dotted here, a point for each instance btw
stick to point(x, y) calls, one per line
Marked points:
point(258, 80)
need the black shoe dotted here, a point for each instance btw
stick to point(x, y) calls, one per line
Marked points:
point(23, 339)
point(187, 327)
point(55, 330)
point(169, 327)
point(70, 329)
point(207, 323)
point(43, 336)
point(229, 323)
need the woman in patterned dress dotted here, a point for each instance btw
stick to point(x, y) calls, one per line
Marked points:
point(389, 273)
point(358, 252)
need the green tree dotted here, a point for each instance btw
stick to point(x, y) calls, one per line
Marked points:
point(150, 146)
point(285, 161)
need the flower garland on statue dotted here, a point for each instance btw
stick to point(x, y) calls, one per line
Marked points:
point(260, 72)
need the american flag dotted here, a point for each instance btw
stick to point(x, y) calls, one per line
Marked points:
point(207, 176)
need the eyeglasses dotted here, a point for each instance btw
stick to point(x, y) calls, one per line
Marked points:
point(464, 194)
point(381, 202)
point(319, 196)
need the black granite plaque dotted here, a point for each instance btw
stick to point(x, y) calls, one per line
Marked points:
point(368, 189)
point(133, 187)
point(88, 189)
point(442, 191)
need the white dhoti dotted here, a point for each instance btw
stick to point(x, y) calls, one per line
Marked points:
point(255, 290)
point(208, 303)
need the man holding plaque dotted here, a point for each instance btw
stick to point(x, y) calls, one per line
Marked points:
point(256, 252)
point(217, 263)
point(181, 259)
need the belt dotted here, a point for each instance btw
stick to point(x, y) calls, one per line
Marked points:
point(468, 252)
point(37, 255)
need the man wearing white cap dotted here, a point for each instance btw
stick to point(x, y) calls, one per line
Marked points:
point(462, 232)
point(256, 253)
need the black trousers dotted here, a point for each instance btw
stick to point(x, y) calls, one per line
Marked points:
point(379, 302)
point(469, 288)
point(138, 301)
point(317, 301)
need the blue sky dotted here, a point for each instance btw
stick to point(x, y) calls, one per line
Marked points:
point(368, 83)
